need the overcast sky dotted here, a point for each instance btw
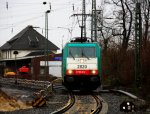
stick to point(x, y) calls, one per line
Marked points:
point(15, 15)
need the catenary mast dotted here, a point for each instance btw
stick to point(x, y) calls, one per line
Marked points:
point(94, 21)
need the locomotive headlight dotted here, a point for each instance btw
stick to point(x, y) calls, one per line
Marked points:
point(81, 61)
point(69, 72)
point(94, 72)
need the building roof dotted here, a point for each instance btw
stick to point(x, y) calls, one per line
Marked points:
point(28, 39)
point(36, 53)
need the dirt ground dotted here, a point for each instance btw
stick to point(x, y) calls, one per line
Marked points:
point(8, 103)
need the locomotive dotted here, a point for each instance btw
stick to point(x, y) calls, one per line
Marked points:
point(81, 64)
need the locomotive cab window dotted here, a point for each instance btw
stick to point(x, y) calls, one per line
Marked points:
point(77, 52)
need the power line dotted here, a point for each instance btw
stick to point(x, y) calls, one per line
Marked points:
point(20, 22)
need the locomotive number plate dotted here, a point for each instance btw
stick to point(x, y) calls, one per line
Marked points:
point(81, 66)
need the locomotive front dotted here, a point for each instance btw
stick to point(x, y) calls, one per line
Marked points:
point(81, 65)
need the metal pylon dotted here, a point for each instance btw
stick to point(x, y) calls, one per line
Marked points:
point(94, 21)
point(138, 37)
point(84, 19)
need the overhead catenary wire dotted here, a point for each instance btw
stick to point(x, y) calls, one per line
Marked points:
point(35, 4)
point(35, 12)
point(9, 17)
point(17, 11)
point(21, 22)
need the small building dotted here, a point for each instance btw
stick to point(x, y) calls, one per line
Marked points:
point(26, 42)
point(29, 44)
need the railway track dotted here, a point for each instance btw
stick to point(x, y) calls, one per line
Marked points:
point(70, 103)
point(114, 100)
point(78, 100)
point(75, 102)
point(81, 103)
point(34, 84)
point(99, 105)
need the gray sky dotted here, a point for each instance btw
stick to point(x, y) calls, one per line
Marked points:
point(18, 14)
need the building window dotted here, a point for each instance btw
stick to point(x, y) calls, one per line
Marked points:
point(42, 70)
point(33, 42)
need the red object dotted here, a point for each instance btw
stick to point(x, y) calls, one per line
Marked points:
point(82, 72)
point(24, 69)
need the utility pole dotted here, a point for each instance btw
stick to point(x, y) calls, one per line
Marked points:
point(94, 21)
point(84, 15)
point(16, 53)
point(46, 41)
point(138, 38)
point(46, 14)
point(83, 20)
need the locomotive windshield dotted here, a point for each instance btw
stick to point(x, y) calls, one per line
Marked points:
point(76, 52)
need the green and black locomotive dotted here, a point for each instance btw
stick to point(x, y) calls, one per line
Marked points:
point(81, 64)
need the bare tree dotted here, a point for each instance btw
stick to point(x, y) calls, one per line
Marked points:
point(106, 35)
point(127, 20)
point(123, 20)
point(146, 12)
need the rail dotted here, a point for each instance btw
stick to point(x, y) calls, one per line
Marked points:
point(70, 103)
